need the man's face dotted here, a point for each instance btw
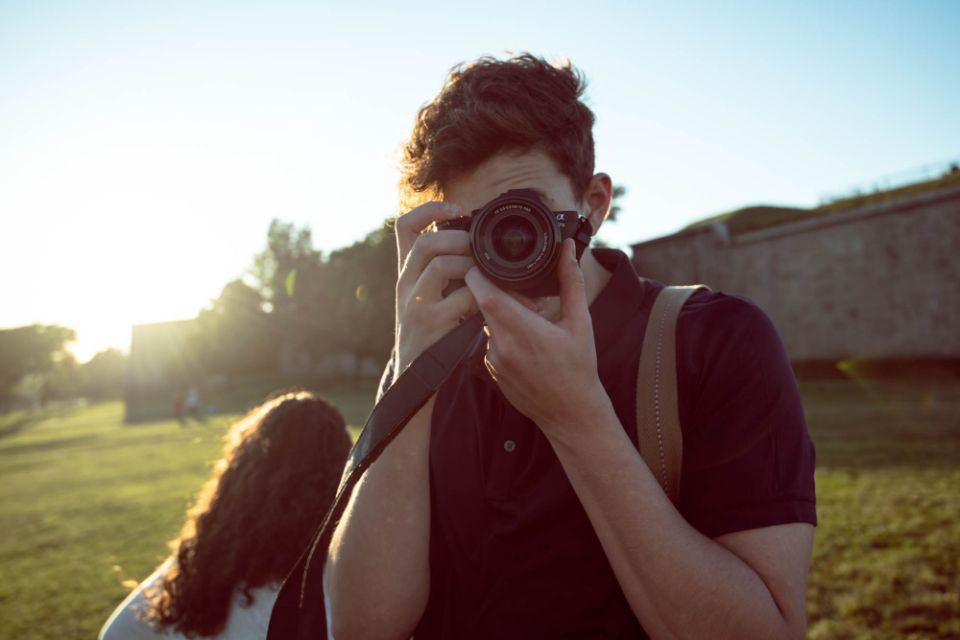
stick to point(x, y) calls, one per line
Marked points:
point(532, 170)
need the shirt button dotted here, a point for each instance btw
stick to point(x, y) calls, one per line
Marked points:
point(509, 446)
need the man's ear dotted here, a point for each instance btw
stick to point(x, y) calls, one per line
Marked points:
point(596, 200)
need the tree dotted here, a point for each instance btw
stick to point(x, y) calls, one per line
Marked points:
point(288, 258)
point(233, 335)
point(318, 306)
point(62, 382)
point(618, 192)
point(296, 288)
point(32, 349)
point(364, 282)
point(104, 376)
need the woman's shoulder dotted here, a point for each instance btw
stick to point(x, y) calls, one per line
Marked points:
point(128, 621)
point(250, 618)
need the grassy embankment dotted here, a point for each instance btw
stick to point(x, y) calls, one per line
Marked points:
point(86, 504)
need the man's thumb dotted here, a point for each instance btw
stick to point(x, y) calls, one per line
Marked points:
point(573, 291)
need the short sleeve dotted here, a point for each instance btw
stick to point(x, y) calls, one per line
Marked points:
point(127, 622)
point(748, 459)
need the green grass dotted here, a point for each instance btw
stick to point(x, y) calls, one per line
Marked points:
point(886, 560)
point(87, 503)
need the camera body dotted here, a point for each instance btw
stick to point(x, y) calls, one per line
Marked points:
point(516, 240)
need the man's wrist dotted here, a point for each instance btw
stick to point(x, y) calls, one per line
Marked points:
point(590, 418)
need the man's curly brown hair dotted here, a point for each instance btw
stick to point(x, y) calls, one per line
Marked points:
point(518, 104)
point(280, 469)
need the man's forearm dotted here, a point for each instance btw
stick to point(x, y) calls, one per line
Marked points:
point(678, 582)
point(377, 578)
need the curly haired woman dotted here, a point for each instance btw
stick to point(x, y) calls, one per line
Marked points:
point(280, 468)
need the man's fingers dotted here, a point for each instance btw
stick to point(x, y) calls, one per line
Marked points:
point(499, 309)
point(411, 224)
point(460, 304)
point(426, 248)
point(525, 301)
point(573, 290)
point(440, 271)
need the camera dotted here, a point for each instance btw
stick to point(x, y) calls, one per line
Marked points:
point(516, 241)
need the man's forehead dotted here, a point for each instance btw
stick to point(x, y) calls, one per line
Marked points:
point(546, 197)
point(533, 170)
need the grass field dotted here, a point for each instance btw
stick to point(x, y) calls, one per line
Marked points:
point(887, 553)
point(87, 504)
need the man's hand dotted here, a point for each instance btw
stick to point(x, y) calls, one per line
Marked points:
point(427, 262)
point(547, 370)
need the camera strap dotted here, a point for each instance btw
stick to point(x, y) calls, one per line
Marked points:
point(290, 618)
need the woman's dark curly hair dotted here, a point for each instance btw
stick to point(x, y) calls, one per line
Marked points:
point(518, 104)
point(279, 472)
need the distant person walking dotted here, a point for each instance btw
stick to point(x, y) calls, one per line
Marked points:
point(280, 468)
point(178, 410)
point(193, 404)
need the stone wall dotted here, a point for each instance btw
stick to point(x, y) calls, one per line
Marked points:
point(879, 282)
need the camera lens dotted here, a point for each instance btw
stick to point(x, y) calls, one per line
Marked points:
point(514, 238)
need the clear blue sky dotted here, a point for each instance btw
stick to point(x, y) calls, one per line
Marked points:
point(145, 146)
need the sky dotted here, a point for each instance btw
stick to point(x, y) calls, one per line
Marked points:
point(145, 147)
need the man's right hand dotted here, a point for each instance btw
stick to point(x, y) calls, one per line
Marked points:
point(378, 586)
point(427, 262)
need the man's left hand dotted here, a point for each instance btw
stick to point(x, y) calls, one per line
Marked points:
point(547, 370)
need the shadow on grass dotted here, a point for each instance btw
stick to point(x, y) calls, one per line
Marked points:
point(18, 425)
point(13, 423)
point(870, 424)
point(47, 445)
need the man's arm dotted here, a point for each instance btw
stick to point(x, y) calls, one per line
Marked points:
point(377, 575)
point(678, 582)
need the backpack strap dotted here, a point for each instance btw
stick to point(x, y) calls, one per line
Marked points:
point(658, 419)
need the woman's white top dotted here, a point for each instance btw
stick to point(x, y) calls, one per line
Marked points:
point(243, 623)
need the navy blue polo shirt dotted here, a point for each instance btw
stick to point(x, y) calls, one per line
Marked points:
point(512, 552)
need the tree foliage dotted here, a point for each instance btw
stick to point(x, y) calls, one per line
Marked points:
point(364, 281)
point(233, 335)
point(104, 375)
point(289, 257)
point(618, 192)
point(297, 291)
point(300, 306)
point(33, 349)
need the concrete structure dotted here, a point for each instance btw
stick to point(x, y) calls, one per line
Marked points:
point(878, 282)
point(161, 366)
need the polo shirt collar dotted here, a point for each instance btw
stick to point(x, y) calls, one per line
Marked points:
point(619, 300)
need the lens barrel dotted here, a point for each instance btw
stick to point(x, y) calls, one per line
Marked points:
point(516, 240)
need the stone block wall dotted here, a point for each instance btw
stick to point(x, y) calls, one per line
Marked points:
point(879, 282)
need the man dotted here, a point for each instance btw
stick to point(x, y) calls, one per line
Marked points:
point(515, 503)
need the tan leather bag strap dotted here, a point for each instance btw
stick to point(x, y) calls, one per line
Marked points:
point(658, 420)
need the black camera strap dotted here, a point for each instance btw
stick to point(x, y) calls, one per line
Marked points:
point(290, 618)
